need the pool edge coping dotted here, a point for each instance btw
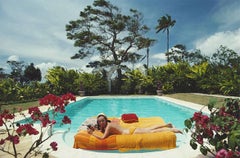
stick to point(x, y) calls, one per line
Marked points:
point(184, 149)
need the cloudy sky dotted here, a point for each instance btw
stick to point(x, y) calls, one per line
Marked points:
point(33, 31)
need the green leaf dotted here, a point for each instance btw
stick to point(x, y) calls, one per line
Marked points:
point(203, 150)
point(211, 104)
point(234, 139)
point(219, 146)
point(186, 130)
point(45, 155)
point(193, 144)
point(188, 123)
point(213, 141)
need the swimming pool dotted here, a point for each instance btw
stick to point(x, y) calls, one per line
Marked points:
point(115, 106)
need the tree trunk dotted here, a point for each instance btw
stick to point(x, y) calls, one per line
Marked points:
point(167, 45)
point(119, 80)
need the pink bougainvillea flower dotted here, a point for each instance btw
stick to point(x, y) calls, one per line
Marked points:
point(200, 139)
point(60, 109)
point(49, 99)
point(35, 113)
point(7, 115)
point(215, 127)
point(14, 139)
point(45, 120)
point(2, 141)
point(66, 120)
point(197, 116)
point(221, 153)
point(26, 129)
point(53, 122)
point(69, 96)
point(54, 146)
point(1, 121)
point(208, 132)
point(204, 121)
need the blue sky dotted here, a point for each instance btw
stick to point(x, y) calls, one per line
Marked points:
point(33, 31)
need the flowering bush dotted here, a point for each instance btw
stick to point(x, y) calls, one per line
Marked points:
point(15, 130)
point(218, 133)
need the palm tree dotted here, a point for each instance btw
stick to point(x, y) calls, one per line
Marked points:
point(164, 23)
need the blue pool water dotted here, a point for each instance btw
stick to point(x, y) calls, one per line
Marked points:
point(115, 106)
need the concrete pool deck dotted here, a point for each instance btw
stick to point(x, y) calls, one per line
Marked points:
point(183, 151)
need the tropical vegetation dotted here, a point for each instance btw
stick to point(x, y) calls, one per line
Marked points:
point(211, 75)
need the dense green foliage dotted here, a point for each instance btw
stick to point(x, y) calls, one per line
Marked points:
point(210, 76)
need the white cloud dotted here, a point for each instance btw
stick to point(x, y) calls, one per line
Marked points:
point(160, 56)
point(13, 58)
point(44, 68)
point(158, 59)
point(227, 14)
point(230, 39)
point(35, 30)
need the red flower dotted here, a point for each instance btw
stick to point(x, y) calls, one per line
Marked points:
point(200, 139)
point(35, 113)
point(45, 120)
point(6, 115)
point(14, 139)
point(215, 128)
point(1, 121)
point(197, 116)
point(53, 122)
point(60, 109)
point(54, 146)
point(204, 121)
point(49, 99)
point(66, 120)
point(222, 111)
point(69, 97)
point(208, 132)
point(2, 141)
point(26, 129)
point(221, 154)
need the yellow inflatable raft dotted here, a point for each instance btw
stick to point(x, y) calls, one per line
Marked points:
point(149, 141)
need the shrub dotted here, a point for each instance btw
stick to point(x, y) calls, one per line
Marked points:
point(218, 133)
point(15, 130)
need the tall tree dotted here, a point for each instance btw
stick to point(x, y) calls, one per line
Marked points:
point(164, 24)
point(17, 70)
point(224, 57)
point(32, 74)
point(179, 53)
point(104, 31)
point(2, 74)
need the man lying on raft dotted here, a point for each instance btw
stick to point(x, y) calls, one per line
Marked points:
point(108, 128)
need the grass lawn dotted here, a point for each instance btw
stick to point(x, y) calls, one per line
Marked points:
point(197, 98)
point(23, 106)
point(190, 97)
